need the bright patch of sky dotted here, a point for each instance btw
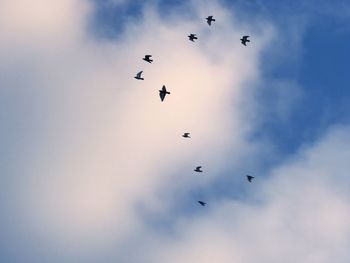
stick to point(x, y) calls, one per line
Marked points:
point(312, 56)
point(94, 168)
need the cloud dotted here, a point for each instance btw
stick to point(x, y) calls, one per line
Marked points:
point(89, 142)
point(96, 163)
point(38, 24)
point(299, 214)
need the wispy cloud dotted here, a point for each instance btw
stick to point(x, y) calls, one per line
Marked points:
point(96, 140)
point(92, 151)
point(300, 213)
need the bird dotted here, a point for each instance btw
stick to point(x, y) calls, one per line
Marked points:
point(148, 58)
point(186, 135)
point(192, 37)
point(198, 169)
point(250, 178)
point(138, 76)
point(244, 40)
point(163, 92)
point(202, 203)
point(210, 19)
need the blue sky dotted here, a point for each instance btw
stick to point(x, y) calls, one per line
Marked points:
point(316, 61)
point(94, 168)
point(319, 62)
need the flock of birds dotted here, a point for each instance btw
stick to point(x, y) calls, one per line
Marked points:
point(163, 92)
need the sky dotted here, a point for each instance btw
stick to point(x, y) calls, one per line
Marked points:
point(93, 164)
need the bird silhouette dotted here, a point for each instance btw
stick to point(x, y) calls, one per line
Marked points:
point(202, 203)
point(198, 169)
point(244, 40)
point(210, 19)
point(148, 58)
point(186, 135)
point(250, 178)
point(138, 76)
point(192, 37)
point(163, 92)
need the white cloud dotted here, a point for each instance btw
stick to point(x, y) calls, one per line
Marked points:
point(92, 143)
point(96, 141)
point(40, 24)
point(301, 213)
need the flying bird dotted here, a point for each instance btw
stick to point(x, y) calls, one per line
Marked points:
point(163, 92)
point(192, 37)
point(202, 203)
point(210, 19)
point(198, 169)
point(186, 135)
point(250, 178)
point(138, 76)
point(244, 40)
point(148, 58)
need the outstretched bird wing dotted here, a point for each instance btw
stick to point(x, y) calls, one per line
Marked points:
point(202, 203)
point(139, 74)
point(249, 177)
point(210, 20)
point(192, 37)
